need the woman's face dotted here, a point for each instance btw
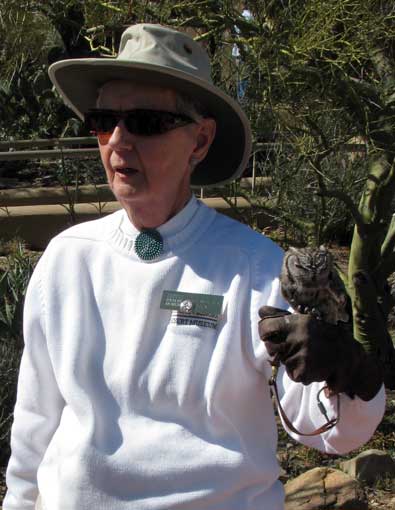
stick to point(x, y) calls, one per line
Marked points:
point(150, 175)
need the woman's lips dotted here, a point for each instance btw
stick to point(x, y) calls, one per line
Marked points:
point(126, 171)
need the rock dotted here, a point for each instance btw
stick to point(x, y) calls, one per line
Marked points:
point(370, 466)
point(324, 488)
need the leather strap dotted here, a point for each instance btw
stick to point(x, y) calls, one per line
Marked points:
point(324, 428)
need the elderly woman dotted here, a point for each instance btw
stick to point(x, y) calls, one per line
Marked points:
point(144, 382)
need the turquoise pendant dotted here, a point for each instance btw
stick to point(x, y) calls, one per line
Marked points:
point(148, 245)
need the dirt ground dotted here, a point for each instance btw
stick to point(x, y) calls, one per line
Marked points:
point(296, 459)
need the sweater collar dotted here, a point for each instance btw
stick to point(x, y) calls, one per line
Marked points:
point(177, 233)
point(172, 226)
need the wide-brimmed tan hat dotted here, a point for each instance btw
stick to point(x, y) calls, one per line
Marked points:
point(158, 55)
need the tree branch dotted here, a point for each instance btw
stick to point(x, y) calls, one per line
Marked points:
point(388, 245)
point(347, 201)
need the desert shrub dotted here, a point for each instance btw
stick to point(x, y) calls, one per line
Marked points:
point(15, 273)
point(293, 199)
point(10, 356)
point(14, 278)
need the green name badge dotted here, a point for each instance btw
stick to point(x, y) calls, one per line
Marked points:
point(188, 302)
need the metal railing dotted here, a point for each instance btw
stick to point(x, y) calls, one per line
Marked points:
point(55, 147)
point(73, 148)
point(13, 150)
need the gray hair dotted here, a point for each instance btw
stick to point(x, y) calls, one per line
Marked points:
point(189, 106)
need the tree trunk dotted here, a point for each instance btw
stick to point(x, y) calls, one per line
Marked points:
point(369, 267)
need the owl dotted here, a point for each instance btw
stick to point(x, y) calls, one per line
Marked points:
point(311, 284)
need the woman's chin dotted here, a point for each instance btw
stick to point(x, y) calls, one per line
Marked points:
point(128, 187)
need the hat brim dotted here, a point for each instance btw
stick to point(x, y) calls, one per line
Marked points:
point(78, 81)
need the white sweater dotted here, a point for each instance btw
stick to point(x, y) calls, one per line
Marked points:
point(123, 406)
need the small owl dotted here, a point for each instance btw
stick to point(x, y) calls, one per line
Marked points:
point(311, 284)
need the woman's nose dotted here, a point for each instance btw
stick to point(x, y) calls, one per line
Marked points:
point(121, 138)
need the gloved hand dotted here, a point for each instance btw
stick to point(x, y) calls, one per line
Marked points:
point(313, 350)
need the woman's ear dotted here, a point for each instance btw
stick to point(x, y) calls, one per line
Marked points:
point(204, 138)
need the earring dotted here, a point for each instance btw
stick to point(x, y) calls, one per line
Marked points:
point(193, 161)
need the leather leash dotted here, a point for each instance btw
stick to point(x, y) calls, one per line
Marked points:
point(324, 428)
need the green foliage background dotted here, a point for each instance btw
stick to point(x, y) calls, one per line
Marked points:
point(15, 271)
point(313, 71)
point(319, 75)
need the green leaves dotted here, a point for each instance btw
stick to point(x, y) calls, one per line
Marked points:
point(14, 278)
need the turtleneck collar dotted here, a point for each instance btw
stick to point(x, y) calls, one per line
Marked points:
point(174, 224)
point(177, 232)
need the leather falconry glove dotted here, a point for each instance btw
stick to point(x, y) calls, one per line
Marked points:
point(313, 350)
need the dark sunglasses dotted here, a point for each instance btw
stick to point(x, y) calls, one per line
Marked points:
point(138, 122)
